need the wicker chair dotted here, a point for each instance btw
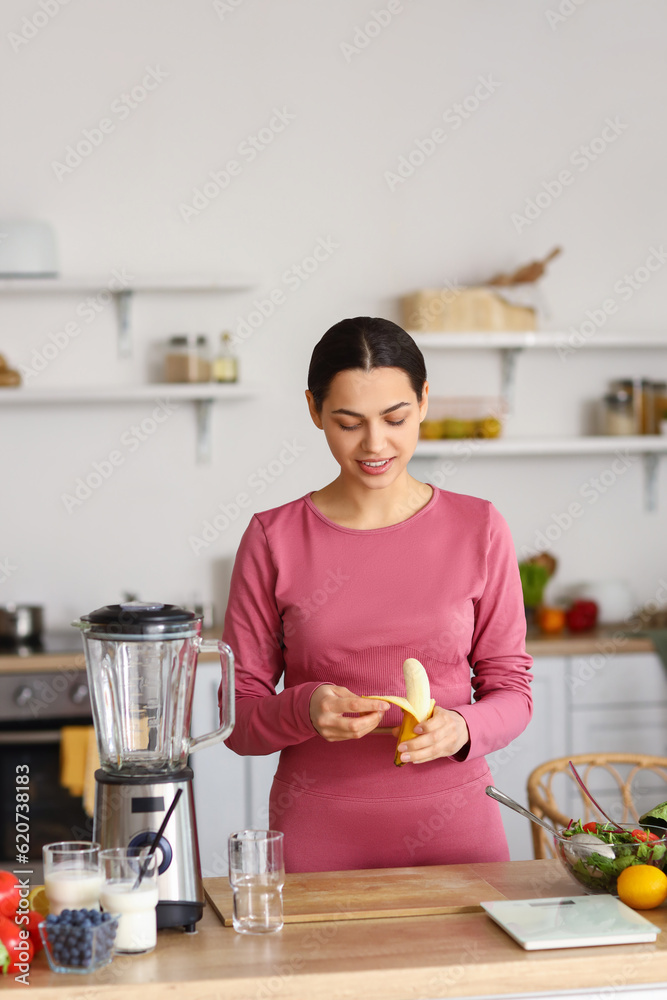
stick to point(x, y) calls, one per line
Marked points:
point(624, 773)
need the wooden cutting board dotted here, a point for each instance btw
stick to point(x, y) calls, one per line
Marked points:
point(375, 892)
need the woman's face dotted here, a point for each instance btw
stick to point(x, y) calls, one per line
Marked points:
point(371, 422)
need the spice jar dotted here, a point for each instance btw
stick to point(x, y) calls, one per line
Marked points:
point(619, 413)
point(648, 410)
point(203, 358)
point(186, 359)
point(633, 387)
point(225, 364)
point(659, 406)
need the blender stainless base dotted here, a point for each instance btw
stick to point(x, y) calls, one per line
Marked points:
point(128, 813)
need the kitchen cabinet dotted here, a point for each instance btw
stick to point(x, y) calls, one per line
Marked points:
point(221, 778)
point(231, 792)
point(545, 737)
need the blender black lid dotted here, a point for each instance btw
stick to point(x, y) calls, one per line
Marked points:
point(138, 617)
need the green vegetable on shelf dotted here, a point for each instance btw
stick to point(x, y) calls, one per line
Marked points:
point(534, 579)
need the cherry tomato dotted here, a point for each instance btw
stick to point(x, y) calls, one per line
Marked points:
point(20, 948)
point(590, 827)
point(645, 835)
point(9, 894)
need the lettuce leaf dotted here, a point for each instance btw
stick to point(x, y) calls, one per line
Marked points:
point(657, 816)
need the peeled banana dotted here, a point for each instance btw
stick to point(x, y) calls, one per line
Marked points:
point(417, 706)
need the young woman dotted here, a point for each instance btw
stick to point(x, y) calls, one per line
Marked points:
point(332, 592)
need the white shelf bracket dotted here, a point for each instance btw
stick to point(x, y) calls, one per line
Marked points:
point(508, 362)
point(204, 411)
point(123, 303)
point(650, 460)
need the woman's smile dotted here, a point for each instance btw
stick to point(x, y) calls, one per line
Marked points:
point(376, 466)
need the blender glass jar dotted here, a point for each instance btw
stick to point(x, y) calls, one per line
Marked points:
point(141, 661)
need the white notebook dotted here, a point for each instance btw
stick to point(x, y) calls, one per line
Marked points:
point(570, 921)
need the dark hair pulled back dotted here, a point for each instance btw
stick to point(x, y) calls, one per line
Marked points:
point(364, 342)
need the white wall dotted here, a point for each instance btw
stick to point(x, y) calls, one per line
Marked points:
point(227, 69)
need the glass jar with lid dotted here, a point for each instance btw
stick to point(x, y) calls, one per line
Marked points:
point(187, 359)
point(619, 414)
point(634, 389)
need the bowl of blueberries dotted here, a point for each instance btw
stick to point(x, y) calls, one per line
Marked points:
point(79, 940)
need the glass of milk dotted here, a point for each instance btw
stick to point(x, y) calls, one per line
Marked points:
point(135, 904)
point(257, 876)
point(72, 875)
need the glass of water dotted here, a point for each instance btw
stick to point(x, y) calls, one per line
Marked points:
point(257, 876)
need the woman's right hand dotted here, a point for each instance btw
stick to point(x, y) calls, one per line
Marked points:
point(328, 703)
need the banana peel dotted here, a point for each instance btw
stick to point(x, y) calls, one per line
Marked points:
point(417, 706)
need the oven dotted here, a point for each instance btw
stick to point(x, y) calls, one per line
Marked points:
point(36, 701)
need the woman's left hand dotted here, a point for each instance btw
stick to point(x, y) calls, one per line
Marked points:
point(440, 736)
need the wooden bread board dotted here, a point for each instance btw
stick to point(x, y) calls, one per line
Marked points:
point(369, 893)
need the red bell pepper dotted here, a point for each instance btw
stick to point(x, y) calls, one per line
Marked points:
point(582, 616)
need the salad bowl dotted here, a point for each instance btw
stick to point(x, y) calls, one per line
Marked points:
point(595, 854)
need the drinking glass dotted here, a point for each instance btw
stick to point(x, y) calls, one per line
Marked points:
point(72, 875)
point(135, 904)
point(257, 876)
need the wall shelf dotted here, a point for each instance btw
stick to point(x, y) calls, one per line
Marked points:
point(511, 344)
point(649, 446)
point(123, 289)
point(202, 394)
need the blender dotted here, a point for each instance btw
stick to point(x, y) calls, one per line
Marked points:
point(141, 661)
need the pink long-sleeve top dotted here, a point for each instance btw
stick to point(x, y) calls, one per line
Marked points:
point(315, 602)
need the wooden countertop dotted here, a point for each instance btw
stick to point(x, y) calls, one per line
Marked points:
point(463, 955)
point(600, 640)
point(583, 644)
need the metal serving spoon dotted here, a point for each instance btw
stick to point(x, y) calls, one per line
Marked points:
point(505, 800)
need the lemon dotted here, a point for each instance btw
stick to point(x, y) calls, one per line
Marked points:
point(642, 887)
point(38, 901)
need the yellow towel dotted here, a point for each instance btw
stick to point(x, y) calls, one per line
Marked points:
point(78, 760)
